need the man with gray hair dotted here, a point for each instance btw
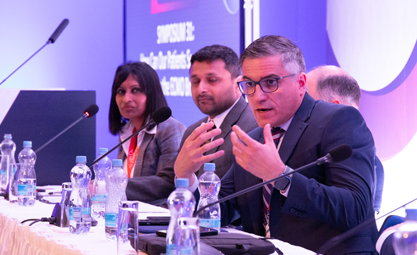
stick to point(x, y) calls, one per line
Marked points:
point(332, 84)
point(312, 206)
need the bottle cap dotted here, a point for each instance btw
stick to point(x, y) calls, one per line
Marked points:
point(181, 183)
point(209, 167)
point(27, 144)
point(81, 159)
point(102, 151)
point(66, 185)
point(117, 162)
point(7, 136)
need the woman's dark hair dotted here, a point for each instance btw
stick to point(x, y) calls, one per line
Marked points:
point(149, 83)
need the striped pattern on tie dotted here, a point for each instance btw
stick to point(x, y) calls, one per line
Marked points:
point(214, 127)
point(267, 188)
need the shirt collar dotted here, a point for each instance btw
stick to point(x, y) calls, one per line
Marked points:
point(127, 130)
point(286, 124)
point(218, 120)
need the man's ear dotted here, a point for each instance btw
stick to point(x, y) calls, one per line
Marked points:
point(335, 101)
point(302, 82)
point(236, 87)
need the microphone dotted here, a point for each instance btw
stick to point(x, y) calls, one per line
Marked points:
point(337, 154)
point(58, 31)
point(89, 112)
point(159, 116)
point(51, 39)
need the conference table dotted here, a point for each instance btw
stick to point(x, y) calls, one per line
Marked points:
point(43, 238)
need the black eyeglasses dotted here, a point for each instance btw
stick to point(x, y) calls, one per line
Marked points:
point(268, 85)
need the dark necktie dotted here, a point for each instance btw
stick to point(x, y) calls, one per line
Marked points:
point(267, 188)
point(214, 127)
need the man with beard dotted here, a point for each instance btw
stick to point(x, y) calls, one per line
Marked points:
point(213, 74)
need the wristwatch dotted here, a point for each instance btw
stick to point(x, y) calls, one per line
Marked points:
point(282, 183)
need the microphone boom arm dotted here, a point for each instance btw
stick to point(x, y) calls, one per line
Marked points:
point(125, 140)
point(55, 137)
point(24, 62)
point(249, 189)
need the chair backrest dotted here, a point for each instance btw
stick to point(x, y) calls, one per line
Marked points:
point(379, 170)
point(390, 221)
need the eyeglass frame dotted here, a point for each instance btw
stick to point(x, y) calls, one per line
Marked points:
point(259, 82)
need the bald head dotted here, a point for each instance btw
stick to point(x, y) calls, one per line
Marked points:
point(334, 85)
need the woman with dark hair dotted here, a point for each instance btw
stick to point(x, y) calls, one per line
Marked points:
point(149, 157)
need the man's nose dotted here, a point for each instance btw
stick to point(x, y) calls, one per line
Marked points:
point(202, 87)
point(259, 95)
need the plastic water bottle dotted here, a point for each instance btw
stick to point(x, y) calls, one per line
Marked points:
point(181, 203)
point(80, 200)
point(26, 177)
point(7, 148)
point(209, 188)
point(405, 239)
point(116, 188)
point(99, 192)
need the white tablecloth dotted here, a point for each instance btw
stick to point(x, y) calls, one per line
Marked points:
point(45, 239)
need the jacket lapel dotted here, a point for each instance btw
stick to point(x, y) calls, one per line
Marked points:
point(252, 198)
point(228, 122)
point(296, 128)
point(141, 153)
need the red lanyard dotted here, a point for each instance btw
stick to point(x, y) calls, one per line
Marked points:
point(133, 152)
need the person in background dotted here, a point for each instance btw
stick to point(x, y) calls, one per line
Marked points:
point(213, 75)
point(148, 157)
point(334, 85)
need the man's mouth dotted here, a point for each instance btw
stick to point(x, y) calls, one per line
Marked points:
point(206, 98)
point(263, 110)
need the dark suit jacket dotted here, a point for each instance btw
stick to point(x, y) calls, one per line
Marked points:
point(323, 201)
point(240, 115)
point(154, 170)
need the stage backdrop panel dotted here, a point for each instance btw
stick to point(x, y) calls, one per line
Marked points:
point(165, 33)
point(38, 116)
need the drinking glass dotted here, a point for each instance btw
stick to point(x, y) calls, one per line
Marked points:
point(13, 169)
point(188, 236)
point(4, 172)
point(128, 227)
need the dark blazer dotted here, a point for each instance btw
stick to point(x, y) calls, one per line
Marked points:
point(154, 170)
point(240, 115)
point(323, 201)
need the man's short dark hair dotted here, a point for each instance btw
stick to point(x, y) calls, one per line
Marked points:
point(215, 52)
point(339, 86)
point(273, 45)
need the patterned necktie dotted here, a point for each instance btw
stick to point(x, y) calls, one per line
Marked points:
point(214, 127)
point(267, 188)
